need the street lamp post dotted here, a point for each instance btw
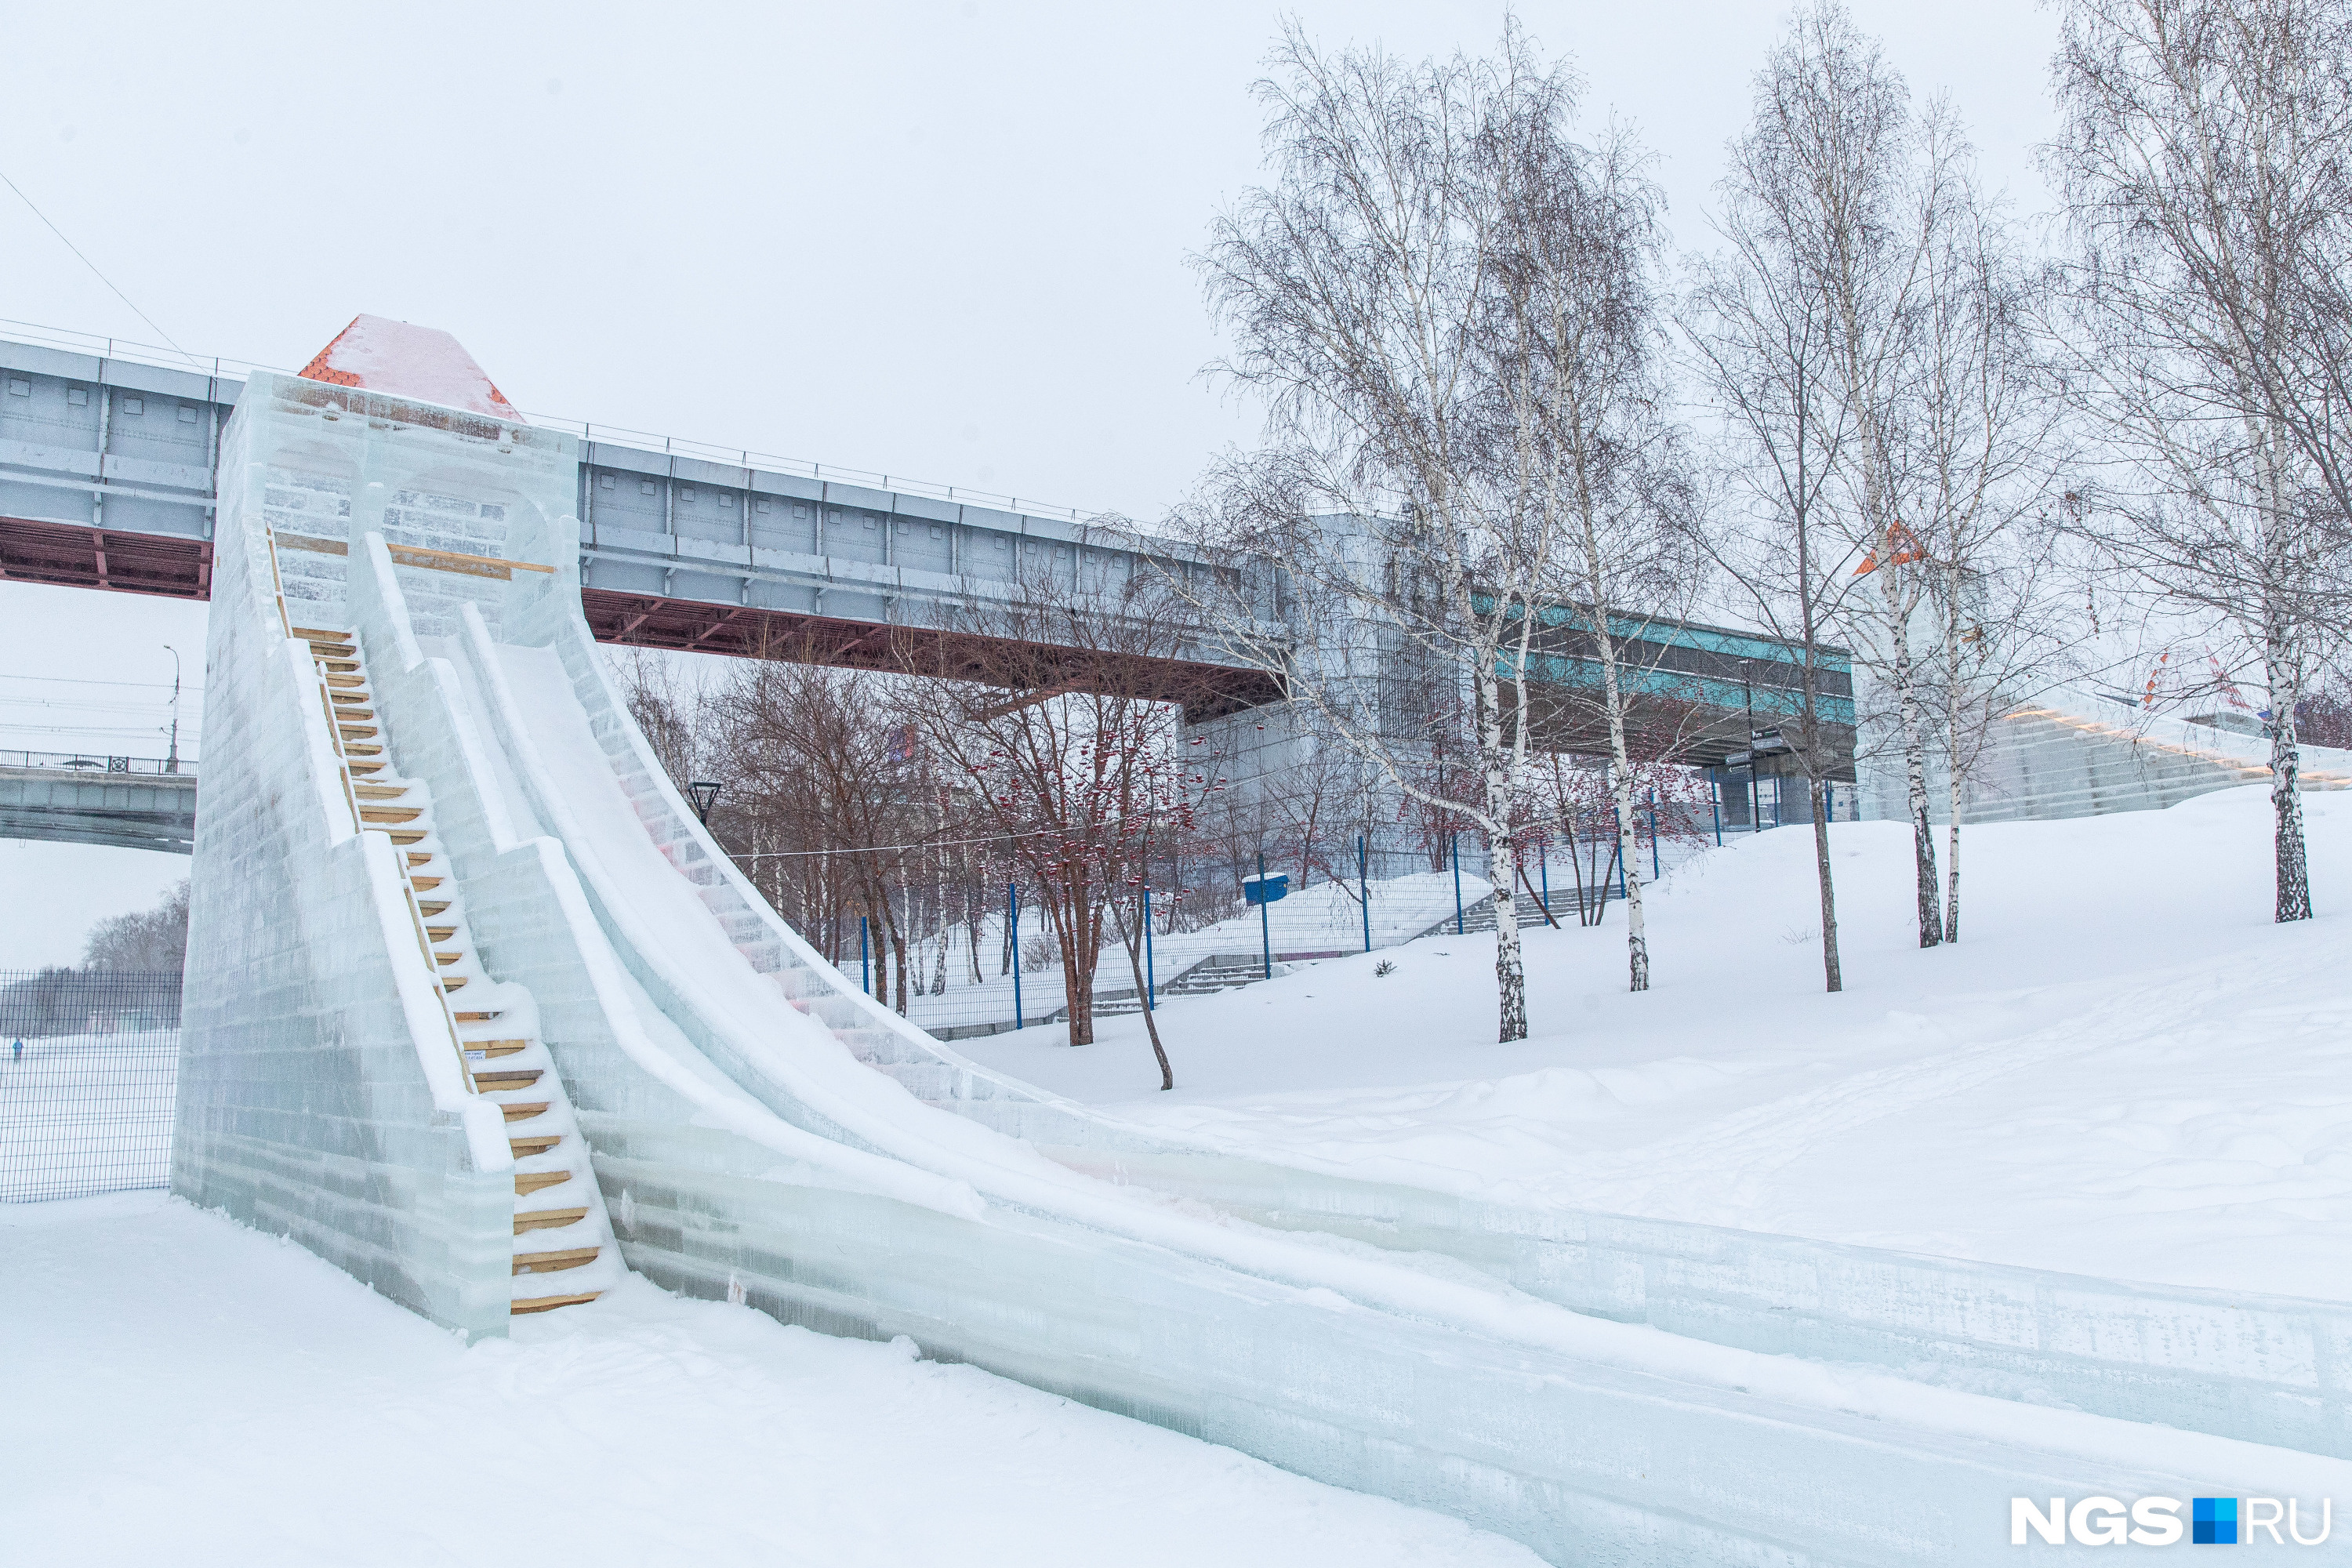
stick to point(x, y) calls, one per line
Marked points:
point(704, 792)
point(171, 763)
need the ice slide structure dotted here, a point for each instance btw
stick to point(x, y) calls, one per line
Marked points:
point(479, 1013)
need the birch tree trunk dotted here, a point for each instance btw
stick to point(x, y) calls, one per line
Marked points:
point(1502, 861)
point(1952, 700)
point(1832, 977)
point(1915, 776)
point(2292, 867)
point(1621, 792)
point(1952, 863)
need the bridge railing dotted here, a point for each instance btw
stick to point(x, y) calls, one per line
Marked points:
point(615, 434)
point(97, 762)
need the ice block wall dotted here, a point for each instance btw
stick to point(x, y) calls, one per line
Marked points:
point(317, 1099)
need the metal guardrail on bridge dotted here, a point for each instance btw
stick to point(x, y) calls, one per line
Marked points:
point(98, 762)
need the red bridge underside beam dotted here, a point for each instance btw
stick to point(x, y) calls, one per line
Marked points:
point(66, 555)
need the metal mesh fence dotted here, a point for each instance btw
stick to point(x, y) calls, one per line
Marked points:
point(90, 1065)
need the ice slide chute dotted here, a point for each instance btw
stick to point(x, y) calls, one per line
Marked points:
point(740, 1149)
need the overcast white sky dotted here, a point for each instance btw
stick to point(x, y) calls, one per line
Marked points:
point(945, 240)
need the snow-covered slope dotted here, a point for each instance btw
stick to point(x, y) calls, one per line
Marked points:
point(2124, 1068)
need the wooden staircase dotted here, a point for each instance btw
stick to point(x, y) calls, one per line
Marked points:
point(560, 1224)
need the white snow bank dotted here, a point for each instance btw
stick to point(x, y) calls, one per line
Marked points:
point(266, 1409)
point(2124, 1070)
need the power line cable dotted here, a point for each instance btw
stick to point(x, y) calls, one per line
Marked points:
point(81, 680)
point(86, 261)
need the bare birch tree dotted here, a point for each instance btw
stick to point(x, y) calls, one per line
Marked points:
point(1982, 447)
point(2206, 164)
point(1763, 341)
point(1390, 300)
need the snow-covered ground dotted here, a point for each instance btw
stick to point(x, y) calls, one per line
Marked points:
point(2125, 1069)
point(182, 1390)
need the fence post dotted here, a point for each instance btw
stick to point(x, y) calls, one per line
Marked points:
point(1150, 984)
point(864, 972)
point(1617, 822)
point(1655, 872)
point(1714, 804)
point(1264, 923)
point(1543, 861)
point(1364, 887)
point(1454, 844)
point(1013, 926)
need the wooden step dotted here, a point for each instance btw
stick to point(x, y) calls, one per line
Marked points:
point(452, 983)
point(447, 958)
point(440, 934)
point(523, 1112)
point(313, 634)
point(363, 751)
point(410, 836)
point(391, 814)
point(357, 732)
point(423, 884)
point(338, 665)
point(364, 768)
point(477, 1018)
point(380, 791)
point(535, 1181)
point(555, 1262)
point(490, 1049)
point(428, 908)
point(346, 700)
point(549, 1303)
point(492, 1082)
point(548, 1219)
point(344, 681)
point(537, 1144)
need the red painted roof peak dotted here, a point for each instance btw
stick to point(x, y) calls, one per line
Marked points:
point(404, 361)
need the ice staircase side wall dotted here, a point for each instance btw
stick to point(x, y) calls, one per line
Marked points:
point(307, 1105)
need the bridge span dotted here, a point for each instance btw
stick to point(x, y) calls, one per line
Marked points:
point(108, 473)
point(109, 467)
point(86, 797)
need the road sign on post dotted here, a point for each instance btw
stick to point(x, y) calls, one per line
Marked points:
point(1364, 888)
point(1012, 925)
point(1265, 889)
point(1261, 890)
